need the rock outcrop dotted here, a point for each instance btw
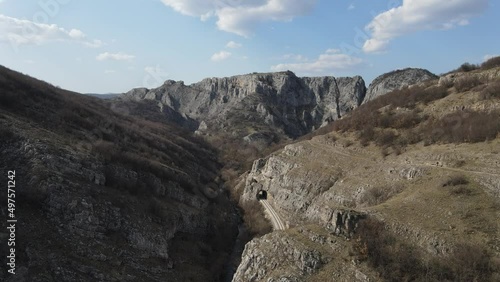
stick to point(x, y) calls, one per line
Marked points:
point(115, 221)
point(266, 102)
point(302, 190)
point(396, 80)
point(304, 254)
point(273, 104)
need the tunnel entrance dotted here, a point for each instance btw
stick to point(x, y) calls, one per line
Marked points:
point(262, 195)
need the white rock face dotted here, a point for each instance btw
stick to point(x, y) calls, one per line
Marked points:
point(283, 101)
point(396, 80)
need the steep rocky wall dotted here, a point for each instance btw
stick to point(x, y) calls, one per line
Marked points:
point(75, 224)
point(281, 100)
point(299, 192)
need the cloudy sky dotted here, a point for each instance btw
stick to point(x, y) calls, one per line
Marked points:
point(112, 46)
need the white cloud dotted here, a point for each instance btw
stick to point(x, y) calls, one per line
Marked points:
point(220, 56)
point(233, 45)
point(330, 61)
point(120, 56)
point(417, 15)
point(109, 71)
point(241, 17)
point(351, 7)
point(24, 32)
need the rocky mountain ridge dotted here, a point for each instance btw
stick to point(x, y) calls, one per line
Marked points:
point(277, 101)
point(285, 104)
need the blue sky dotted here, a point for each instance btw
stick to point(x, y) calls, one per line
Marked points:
point(112, 46)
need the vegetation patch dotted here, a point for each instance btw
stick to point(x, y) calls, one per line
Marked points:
point(491, 63)
point(491, 91)
point(467, 67)
point(467, 83)
point(378, 194)
point(463, 127)
point(455, 180)
point(461, 190)
point(395, 260)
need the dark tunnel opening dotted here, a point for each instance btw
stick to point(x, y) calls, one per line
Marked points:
point(262, 195)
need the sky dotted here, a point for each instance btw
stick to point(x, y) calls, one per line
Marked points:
point(112, 46)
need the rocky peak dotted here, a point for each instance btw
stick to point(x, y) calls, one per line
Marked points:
point(283, 102)
point(396, 80)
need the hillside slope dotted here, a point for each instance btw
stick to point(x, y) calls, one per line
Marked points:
point(105, 196)
point(406, 187)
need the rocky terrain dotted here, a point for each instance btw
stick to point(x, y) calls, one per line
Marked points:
point(423, 207)
point(259, 107)
point(103, 196)
point(397, 182)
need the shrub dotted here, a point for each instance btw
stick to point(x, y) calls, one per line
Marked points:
point(446, 82)
point(491, 91)
point(433, 93)
point(347, 143)
point(385, 138)
point(467, 67)
point(378, 194)
point(491, 63)
point(380, 113)
point(461, 190)
point(406, 120)
point(463, 127)
point(471, 263)
point(409, 137)
point(396, 260)
point(455, 180)
point(366, 135)
point(467, 83)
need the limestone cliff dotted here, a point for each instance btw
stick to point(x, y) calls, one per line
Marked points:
point(396, 80)
point(269, 102)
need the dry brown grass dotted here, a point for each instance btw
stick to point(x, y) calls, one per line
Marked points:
point(395, 260)
point(467, 83)
point(491, 91)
